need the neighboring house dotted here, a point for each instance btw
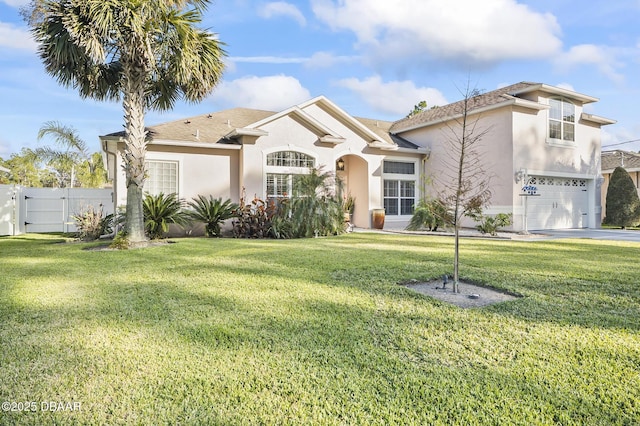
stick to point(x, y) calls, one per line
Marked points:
point(628, 160)
point(538, 133)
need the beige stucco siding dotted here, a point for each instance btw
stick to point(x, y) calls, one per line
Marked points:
point(362, 175)
point(496, 149)
point(200, 171)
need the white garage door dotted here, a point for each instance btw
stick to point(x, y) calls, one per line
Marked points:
point(562, 203)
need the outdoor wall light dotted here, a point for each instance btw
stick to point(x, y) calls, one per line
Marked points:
point(340, 165)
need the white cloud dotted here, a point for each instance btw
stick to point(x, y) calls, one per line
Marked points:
point(393, 97)
point(469, 32)
point(601, 57)
point(273, 93)
point(16, 38)
point(281, 8)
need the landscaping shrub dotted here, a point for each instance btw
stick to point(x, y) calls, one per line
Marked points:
point(253, 219)
point(212, 212)
point(315, 210)
point(491, 224)
point(623, 203)
point(120, 241)
point(429, 214)
point(92, 223)
point(160, 211)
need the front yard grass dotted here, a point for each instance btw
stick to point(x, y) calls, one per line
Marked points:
point(225, 331)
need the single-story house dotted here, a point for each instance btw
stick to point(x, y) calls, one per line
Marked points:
point(628, 160)
point(539, 135)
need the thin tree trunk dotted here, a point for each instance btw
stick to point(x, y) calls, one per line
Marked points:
point(135, 151)
point(458, 216)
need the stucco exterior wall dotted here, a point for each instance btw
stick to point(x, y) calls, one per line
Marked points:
point(200, 172)
point(362, 164)
point(495, 147)
point(539, 155)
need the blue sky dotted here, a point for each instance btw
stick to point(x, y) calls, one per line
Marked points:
point(374, 58)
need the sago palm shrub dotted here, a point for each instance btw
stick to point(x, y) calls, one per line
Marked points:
point(160, 211)
point(212, 212)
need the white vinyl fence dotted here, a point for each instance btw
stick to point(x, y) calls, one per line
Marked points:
point(24, 210)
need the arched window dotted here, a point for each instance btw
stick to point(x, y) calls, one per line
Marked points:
point(290, 159)
point(282, 170)
point(562, 117)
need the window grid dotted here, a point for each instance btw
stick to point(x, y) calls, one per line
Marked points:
point(399, 192)
point(399, 197)
point(162, 177)
point(398, 167)
point(561, 120)
point(290, 159)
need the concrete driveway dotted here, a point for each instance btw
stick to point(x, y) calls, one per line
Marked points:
point(595, 234)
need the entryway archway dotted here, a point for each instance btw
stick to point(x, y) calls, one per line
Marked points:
point(353, 171)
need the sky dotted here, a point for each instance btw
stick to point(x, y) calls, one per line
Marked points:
point(373, 58)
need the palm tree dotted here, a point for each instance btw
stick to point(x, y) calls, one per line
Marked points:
point(74, 151)
point(147, 54)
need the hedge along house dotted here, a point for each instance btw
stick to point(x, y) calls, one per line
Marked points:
point(538, 135)
point(262, 152)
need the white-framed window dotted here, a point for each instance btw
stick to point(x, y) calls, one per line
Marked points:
point(399, 187)
point(290, 159)
point(281, 185)
point(282, 169)
point(562, 117)
point(162, 177)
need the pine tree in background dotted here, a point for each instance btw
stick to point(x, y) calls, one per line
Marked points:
point(623, 203)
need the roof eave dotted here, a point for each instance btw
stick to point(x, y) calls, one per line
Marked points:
point(330, 139)
point(506, 102)
point(597, 119)
point(238, 132)
point(206, 145)
point(556, 91)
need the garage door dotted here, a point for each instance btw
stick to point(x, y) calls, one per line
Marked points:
point(562, 203)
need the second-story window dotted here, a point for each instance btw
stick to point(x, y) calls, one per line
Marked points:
point(562, 117)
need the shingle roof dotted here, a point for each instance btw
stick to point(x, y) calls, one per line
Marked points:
point(450, 110)
point(626, 159)
point(212, 128)
point(206, 128)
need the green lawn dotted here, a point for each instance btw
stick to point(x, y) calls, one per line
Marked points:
point(224, 331)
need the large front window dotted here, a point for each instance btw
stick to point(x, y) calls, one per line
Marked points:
point(162, 177)
point(282, 171)
point(399, 187)
point(562, 117)
point(280, 185)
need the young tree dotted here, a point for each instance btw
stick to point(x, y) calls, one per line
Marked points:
point(623, 203)
point(464, 184)
point(146, 53)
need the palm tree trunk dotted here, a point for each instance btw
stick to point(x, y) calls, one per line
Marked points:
point(135, 150)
